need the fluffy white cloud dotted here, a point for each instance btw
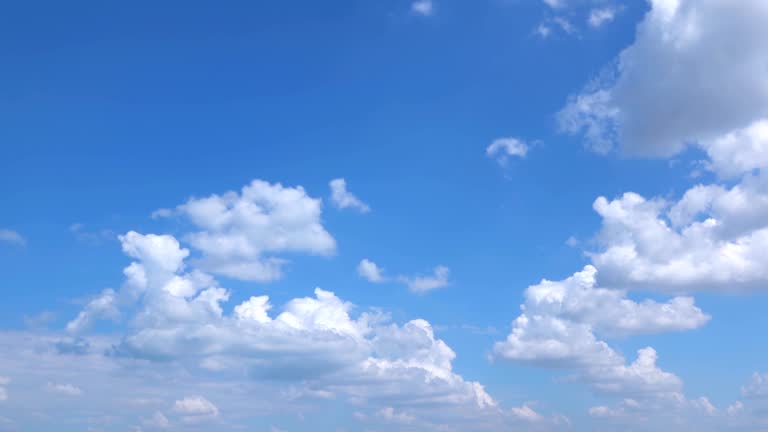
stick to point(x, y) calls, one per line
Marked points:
point(313, 342)
point(423, 7)
point(64, 389)
point(712, 238)
point(195, 408)
point(739, 151)
point(240, 232)
point(560, 319)
point(12, 237)
point(502, 149)
point(695, 73)
point(342, 198)
point(424, 284)
point(370, 271)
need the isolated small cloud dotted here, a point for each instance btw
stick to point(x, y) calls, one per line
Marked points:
point(423, 7)
point(423, 284)
point(600, 16)
point(370, 271)
point(502, 149)
point(195, 408)
point(342, 198)
point(12, 237)
point(64, 389)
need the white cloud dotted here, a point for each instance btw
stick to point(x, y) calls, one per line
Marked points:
point(12, 237)
point(739, 151)
point(555, 4)
point(502, 149)
point(239, 233)
point(195, 408)
point(342, 198)
point(735, 408)
point(526, 413)
point(313, 342)
point(101, 307)
point(370, 271)
point(558, 325)
point(393, 416)
point(757, 386)
point(600, 16)
point(667, 89)
point(712, 238)
point(157, 421)
point(423, 7)
point(64, 389)
point(424, 284)
point(543, 30)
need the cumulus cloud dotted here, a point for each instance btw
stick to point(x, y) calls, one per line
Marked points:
point(666, 89)
point(502, 149)
point(424, 284)
point(314, 342)
point(560, 320)
point(342, 198)
point(12, 237)
point(712, 238)
point(240, 233)
point(195, 409)
point(370, 271)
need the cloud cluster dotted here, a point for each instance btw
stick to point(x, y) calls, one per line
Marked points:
point(314, 342)
point(239, 234)
point(694, 74)
point(713, 238)
point(560, 322)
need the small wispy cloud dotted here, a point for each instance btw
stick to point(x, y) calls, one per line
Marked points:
point(598, 17)
point(64, 389)
point(502, 149)
point(423, 7)
point(12, 237)
point(370, 271)
point(342, 198)
point(424, 284)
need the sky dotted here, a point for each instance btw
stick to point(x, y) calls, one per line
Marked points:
point(399, 215)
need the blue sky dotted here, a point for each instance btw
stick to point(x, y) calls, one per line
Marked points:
point(426, 165)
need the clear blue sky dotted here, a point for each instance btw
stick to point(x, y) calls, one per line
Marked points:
point(113, 110)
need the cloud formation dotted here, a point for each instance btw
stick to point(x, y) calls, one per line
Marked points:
point(342, 198)
point(560, 320)
point(12, 237)
point(239, 234)
point(667, 89)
